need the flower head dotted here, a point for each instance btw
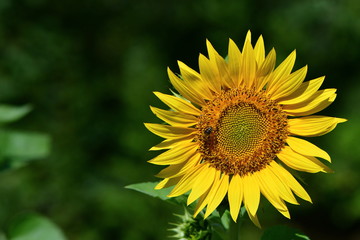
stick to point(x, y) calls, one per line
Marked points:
point(237, 125)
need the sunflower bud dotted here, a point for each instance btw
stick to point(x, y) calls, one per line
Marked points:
point(189, 228)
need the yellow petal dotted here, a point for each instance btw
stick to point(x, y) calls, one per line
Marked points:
point(167, 182)
point(180, 169)
point(287, 85)
point(312, 126)
point(201, 203)
point(288, 179)
point(194, 82)
point(317, 102)
point(251, 194)
point(188, 73)
point(263, 73)
point(282, 71)
point(269, 189)
point(202, 184)
point(166, 131)
point(234, 63)
point(175, 155)
point(301, 162)
point(247, 38)
point(282, 188)
point(171, 170)
point(208, 195)
point(303, 93)
point(190, 93)
point(178, 104)
point(186, 182)
point(254, 219)
point(218, 196)
point(235, 196)
point(306, 148)
point(175, 118)
point(171, 143)
point(217, 60)
point(248, 64)
point(161, 184)
point(259, 51)
point(209, 73)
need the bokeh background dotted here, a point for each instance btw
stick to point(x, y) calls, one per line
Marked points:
point(89, 69)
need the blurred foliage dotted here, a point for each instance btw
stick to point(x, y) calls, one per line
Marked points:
point(16, 147)
point(283, 232)
point(89, 69)
point(32, 226)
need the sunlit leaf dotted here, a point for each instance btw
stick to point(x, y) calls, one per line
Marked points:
point(2, 236)
point(24, 144)
point(148, 188)
point(17, 148)
point(10, 113)
point(34, 227)
point(226, 219)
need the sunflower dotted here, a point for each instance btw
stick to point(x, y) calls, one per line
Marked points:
point(236, 128)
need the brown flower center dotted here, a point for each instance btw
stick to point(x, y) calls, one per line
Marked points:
point(241, 131)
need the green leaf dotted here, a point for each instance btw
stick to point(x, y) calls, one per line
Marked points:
point(283, 233)
point(226, 219)
point(10, 113)
point(217, 224)
point(148, 188)
point(34, 227)
point(17, 148)
point(24, 144)
point(2, 236)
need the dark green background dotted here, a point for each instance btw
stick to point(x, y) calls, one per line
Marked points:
point(89, 69)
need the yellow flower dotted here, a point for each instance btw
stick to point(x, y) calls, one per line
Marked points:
point(234, 130)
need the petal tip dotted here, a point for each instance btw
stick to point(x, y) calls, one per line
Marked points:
point(341, 120)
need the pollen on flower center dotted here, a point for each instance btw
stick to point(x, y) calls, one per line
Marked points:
point(241, 131)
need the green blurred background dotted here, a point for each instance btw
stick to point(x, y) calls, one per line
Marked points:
point(89, 69)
